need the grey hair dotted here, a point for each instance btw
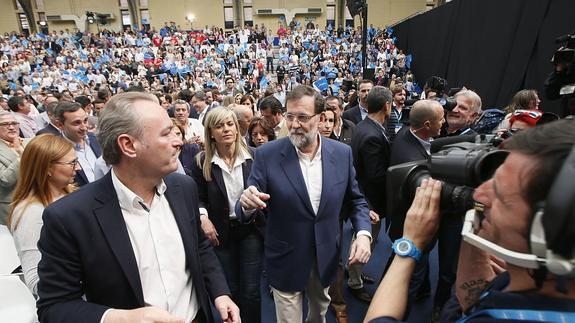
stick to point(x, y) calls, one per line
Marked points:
point(474, 97)
point(181, 102)
point(117, 118)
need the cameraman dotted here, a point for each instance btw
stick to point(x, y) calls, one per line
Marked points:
point(563, 74)
point(462, 117)
point(510, 200)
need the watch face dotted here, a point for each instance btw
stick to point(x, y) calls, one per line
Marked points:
point(403, 247)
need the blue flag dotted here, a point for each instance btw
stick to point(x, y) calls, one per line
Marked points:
point(321, 84)
point(264, 82)
point(408, 60)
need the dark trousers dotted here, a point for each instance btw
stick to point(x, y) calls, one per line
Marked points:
point(270, 64)
point(449, 240)
point(336, 288)
point(241, 258)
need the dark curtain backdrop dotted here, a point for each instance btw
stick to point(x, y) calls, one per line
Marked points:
point(495, 47)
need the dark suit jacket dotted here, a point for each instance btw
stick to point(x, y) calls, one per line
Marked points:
point(346, 132)
point(353, 114)
point(81, 178)
point(214, 197)
point(295, 235)
point(406, 148)
point(86, 250)
point(49, 129)
point(371, 150)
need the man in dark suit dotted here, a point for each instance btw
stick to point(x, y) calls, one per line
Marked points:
point(303, 182)
point(358, 112)
point(51, 128)
point(371, 149)
point(412, 144)
point(129, 247)
point(73, 122)
point(343, 130)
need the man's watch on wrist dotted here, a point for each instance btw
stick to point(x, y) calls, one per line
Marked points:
point(406, 248)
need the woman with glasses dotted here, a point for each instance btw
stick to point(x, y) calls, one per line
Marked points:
point(47, 169)
point(221, 172)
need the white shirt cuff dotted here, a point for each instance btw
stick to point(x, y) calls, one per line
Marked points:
point(364, 233)
point(203, 211)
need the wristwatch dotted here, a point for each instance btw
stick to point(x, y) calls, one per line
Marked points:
point(405, 248)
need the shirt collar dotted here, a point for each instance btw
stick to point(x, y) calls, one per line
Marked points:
point(301, 154)
point(129, 200)
point(425, 143)
point(240, 159)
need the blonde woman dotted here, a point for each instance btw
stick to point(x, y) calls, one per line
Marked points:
point(221, 172)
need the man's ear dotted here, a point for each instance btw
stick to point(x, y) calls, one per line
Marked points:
point(59, 124)
point(127, 145)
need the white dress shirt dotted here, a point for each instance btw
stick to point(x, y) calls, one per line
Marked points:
point(233, 179)
point(312, 172)
point(159, 251)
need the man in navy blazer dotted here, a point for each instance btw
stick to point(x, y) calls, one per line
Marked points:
point(129, 247)
point(73, 121)
point(303, 182)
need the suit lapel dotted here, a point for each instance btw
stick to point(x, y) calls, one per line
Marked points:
point(418, 144)
point(328, 168)
point(219, 178)
point(111, 220)
point(292, 170)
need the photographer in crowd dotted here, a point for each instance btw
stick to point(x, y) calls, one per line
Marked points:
point(561, 82)
point(526, 219)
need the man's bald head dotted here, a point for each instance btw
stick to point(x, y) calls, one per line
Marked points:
point(426, 118)
point(245, 116)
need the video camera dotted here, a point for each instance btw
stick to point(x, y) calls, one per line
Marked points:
point(461, 166)
point(565, 54)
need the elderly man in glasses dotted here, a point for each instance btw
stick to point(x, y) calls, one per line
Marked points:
point(301, 184)
point(11, 148)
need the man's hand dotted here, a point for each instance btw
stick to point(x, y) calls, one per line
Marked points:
point(141, 315)
point(229, 311)
point(209, 230)
point(360, 250)
point(373, 217)
point(422, 219)
point(253, 199)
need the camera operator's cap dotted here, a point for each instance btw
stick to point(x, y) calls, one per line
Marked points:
point(528, 116)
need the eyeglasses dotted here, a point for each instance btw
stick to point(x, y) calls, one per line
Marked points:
point(71, 163)
point(529, 113)
point(301, 118)
point(9, 123)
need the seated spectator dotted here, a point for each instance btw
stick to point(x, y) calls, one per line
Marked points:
point(524, 119)
point(11, 148)
point(47, 171)
point(522, 100)
point(260, 132)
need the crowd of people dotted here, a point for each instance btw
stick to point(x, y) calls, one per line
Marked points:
point(148, 174)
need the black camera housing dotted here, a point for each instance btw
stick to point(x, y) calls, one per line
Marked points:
point(461, 167)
